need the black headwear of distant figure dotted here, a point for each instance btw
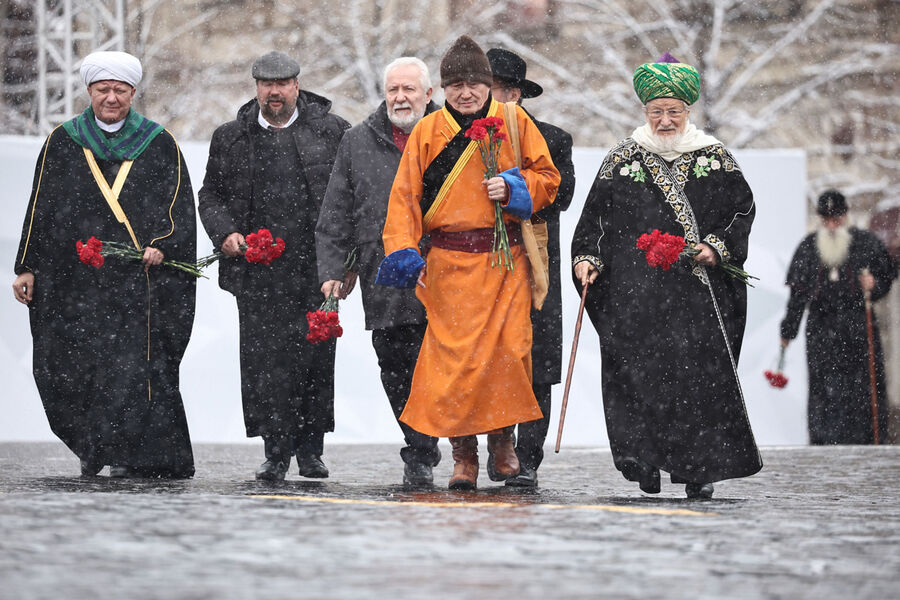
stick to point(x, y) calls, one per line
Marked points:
point(510, 68)
point(832, 204)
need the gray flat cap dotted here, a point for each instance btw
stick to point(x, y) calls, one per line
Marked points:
point(275, 65)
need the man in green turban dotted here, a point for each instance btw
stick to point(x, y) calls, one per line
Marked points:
point(670, 339)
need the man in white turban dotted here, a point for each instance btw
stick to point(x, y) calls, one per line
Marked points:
point(108, 342)
point(111, 65)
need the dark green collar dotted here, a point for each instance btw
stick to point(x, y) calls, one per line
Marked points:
point(127, 144)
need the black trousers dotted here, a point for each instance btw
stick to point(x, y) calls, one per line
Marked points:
point(397, 349)
point(308, 441)
point(531, 435)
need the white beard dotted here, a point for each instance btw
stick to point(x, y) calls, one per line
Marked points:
point(405, 123)
point(834, 246)
point(667, 143)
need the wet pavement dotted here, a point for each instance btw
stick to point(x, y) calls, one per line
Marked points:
point(815, 523)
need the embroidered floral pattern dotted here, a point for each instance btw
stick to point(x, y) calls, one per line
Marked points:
point(703, 165)
point(716, 242)
point(635, 171)
point(598, 264)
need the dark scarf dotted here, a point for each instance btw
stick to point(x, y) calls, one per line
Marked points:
point(126, 144)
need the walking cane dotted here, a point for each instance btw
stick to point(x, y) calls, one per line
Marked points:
point(565, 400)
point(870, 334)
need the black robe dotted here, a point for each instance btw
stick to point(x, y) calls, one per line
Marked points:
point(546, 324)
point(108, 342)
point(839, 409)
point(670, 340)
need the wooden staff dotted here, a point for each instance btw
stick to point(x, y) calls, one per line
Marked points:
point(870, 334)
point(565, 400)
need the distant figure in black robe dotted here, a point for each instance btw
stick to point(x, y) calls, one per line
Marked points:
point(268, 169)
point(108, 342)
point(830, 272)
point(670, 340)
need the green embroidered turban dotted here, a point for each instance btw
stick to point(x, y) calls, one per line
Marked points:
point(667, 78)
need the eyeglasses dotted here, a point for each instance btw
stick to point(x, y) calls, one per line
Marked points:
point(657, 113)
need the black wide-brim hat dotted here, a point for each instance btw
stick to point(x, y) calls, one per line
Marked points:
point(511, 68)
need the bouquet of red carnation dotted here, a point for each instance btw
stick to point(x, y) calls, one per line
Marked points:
point(489, 137)
point(260, 247)
point(324, 323)
point(663, 249)
point(95, 251)
point(777, 379)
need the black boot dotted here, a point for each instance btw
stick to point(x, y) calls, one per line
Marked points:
point(278, 459)
point(90, 467)
point(646, 475)
point(312, 466)
point(698, 490)
point(417, 474)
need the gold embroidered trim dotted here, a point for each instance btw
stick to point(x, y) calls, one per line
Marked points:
point(716, 242)
point(595, 261)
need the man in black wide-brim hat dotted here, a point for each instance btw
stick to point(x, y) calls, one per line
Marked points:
point(511, 85)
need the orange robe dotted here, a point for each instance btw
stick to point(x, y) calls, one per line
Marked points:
point(474, 369)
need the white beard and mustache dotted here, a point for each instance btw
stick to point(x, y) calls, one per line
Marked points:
point(833, 248)
point(687, 140)
point(405, 123)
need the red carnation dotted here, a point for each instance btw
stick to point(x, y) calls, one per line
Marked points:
point(89, 253)
point(776, 379)
point(662, 249)
point(324, 323)
point(488, 123)
point(476, 132)
point(262, 248)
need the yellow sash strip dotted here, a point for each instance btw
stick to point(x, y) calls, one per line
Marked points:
point(460, 164)
point(112, 194)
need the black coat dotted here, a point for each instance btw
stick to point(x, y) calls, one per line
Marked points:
point(546, 350)
point(839, 408)
point(353, 215)
point(108, 342)
point(253, 180)
point(226, 198)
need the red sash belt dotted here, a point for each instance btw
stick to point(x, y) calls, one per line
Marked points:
point(474, 240)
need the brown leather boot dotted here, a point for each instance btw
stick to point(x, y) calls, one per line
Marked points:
point(465, 463)
point(502, 460)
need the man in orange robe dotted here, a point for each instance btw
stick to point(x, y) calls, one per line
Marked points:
point(474, 369)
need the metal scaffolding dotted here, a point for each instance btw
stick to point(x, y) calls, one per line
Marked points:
point(66, 31)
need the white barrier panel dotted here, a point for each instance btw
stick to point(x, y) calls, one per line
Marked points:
point(210, 374)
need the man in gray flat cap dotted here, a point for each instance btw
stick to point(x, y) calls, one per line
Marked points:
point(268, 169)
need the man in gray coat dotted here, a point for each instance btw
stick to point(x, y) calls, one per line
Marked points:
point(353, 216)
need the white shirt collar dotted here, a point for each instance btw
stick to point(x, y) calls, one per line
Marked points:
point(266, 125)
point(110, 127)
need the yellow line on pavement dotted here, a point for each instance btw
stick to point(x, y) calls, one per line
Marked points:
point(636, 510)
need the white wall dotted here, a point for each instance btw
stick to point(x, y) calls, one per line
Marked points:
point(211, 376)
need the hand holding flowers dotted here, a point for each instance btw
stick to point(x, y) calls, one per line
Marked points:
point(489, 137)
point(664, 249)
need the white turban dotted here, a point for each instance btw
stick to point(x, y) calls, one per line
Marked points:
point(118, 66)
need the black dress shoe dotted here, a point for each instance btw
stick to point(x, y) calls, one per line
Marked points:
point(698, 490)
point(272, 470)
point(527, 477)
point(89, 468)
point(312, 466)
point(417, 473)
point(119, 472)
point(646, 475)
